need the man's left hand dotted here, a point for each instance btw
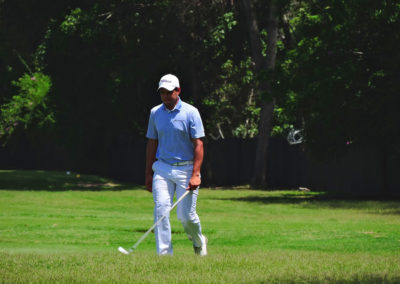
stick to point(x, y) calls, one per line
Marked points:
point(194, 182)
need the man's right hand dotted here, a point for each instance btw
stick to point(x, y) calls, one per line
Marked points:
point(149, 182)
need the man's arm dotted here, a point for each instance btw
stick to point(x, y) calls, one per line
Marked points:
point(151, 150)
point(195, 180)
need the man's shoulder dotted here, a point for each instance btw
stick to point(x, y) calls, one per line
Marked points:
point(156, 108)
point(188, 107)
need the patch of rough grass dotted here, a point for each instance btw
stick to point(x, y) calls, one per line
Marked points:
point(268, 267)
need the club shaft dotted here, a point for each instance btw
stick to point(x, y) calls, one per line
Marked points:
point(159, 221)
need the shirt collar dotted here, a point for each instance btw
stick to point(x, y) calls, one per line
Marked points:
point(177, 107)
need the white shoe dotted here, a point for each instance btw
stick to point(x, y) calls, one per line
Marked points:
point(202, 251)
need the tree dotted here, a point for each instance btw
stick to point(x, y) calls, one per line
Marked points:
point(29, 107)
point(105, 57)
point(342, 77)
point(262, 64)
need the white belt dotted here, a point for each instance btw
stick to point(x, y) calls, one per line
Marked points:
point(183, 163)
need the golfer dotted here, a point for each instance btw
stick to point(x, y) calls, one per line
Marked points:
point(174, 155)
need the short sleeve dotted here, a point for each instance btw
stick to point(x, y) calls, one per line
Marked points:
point(196, 125)
point(151, 128)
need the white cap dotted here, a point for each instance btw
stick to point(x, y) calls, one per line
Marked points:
point(168, 82)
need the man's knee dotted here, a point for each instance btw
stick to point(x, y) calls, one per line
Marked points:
point(162, 208)
point(187, 217)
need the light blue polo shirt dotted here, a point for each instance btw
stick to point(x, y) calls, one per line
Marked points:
point(174, 130)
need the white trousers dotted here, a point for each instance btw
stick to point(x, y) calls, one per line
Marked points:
point(167, 180)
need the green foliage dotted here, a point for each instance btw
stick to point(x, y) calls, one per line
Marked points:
point(336, 75)
point(281, 126)
point(29, 107)
point(342, 75)
point(218, 33)
point(71, 22)
point(41, 50)
point(231, 104)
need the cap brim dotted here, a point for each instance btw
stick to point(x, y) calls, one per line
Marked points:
point(166, 86)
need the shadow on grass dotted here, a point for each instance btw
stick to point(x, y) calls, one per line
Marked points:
point(58, 181)
point(144, 230)
point(316, 200)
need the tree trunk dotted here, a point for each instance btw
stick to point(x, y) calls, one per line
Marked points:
point(260, 63)
point(254, 35)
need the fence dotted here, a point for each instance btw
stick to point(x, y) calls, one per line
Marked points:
point(364, 171)
point(227, 162)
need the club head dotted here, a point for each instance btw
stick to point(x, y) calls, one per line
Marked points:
point(122, 250)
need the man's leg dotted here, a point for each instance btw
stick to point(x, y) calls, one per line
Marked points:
point(163, 192)
point(186, 210)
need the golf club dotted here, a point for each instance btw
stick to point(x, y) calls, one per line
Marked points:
point(124, 251)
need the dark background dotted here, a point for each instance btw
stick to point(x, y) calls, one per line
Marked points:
point(336, 78)
point(229, 162)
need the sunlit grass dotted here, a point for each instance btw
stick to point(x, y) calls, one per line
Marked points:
point(68, 236)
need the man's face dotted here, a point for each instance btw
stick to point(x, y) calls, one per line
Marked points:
point(169, 98)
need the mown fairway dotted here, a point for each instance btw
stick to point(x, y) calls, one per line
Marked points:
point(62, 228)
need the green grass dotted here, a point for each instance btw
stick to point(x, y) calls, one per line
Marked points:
point(53, 229)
